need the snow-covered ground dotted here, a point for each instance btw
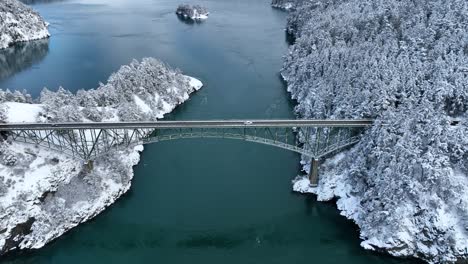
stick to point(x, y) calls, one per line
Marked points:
point(19, 23)
point(44, 193)
point(47, 193)
point(21, 112)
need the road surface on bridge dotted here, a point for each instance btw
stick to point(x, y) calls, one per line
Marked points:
point(188, 124)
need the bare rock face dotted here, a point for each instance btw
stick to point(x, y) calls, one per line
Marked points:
point(19, 23)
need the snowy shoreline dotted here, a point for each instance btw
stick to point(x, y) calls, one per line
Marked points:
point(405, 184)
point(43, 194)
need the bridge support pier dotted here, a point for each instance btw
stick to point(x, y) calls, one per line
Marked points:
point(313, 173)
point(89, 165)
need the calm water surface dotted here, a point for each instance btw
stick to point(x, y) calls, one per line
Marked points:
point(193, 201)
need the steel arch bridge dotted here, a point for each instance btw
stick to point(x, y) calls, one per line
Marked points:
point(87, 141)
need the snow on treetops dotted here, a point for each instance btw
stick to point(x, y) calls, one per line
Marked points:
point(19, 23)
point(30, 216)
point(402, 63)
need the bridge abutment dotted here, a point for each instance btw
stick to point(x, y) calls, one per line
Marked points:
point(313, 173)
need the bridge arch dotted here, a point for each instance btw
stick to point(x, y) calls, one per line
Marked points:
point(346, 142)
point(88, 141)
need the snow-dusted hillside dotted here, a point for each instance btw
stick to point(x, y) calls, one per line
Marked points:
point(43, 194)
point(19, 23)
point(405, 64)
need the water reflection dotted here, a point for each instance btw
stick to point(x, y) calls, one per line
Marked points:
point(22, 56)
point(310, 204)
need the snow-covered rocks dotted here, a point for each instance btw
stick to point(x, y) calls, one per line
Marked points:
point(19, 23)
point(43, 193)
point(195, 12)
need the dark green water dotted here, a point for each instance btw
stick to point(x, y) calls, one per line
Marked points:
point(194, 201)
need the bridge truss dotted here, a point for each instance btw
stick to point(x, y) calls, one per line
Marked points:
point(88, 141)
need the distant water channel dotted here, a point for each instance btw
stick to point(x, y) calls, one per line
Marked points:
point(192, 201)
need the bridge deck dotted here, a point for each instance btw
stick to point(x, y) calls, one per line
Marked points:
point(187, 124)
point(88, 141)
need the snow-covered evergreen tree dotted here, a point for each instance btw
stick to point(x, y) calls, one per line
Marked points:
point(138, 91)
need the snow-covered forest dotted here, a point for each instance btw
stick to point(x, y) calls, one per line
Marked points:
point(138, 91)
point(404, 64)
point(44, 193)
point(19, 23)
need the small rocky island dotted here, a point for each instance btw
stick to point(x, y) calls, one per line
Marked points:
point(19, 23)
point(195, 12)
point(283, 4)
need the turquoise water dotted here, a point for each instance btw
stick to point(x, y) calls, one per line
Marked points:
point(192, 201)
